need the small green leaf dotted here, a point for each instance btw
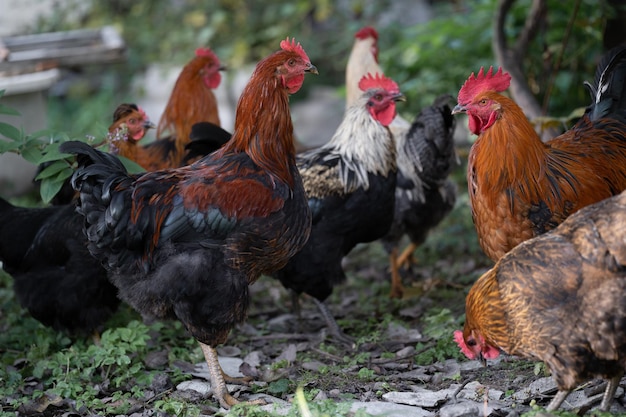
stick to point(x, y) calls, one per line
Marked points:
point(53, 169)
point(9, 146)
point(32, 155)
point(10, 131)
point(9, 111)
point(49, 188)
point(278, 387)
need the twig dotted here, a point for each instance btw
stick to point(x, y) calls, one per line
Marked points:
point(328, 355)
point(459, 389)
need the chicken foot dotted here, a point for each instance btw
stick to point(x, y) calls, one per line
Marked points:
point(333, 328)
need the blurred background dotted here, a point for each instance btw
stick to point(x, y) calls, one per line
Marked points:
point(428, 47)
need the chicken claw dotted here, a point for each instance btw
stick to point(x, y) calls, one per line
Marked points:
point(219, 378)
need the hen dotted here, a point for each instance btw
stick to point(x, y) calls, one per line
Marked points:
point(54, 276)
point(185, 243)
point(425, 158)
point(130, 124)
point(350, 184)
point(519, 186)
point(559, 298)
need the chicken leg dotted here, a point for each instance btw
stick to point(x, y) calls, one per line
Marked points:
point(609, 393)
point(406, 257)
point(218, 385)
point(397, 289)
point(560, 396)
point(333, 327)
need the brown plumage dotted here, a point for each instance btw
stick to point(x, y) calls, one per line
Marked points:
point(519, 186)
point(191, 101)
point(425, 157)
point(185, 243)
point(129, 126)
point(559, 298)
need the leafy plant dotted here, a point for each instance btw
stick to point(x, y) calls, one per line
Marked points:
point(42, 147)
point(439, 324)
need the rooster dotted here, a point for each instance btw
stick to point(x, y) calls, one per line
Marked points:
point(54, 276)
point(350, 184)
point(519, 186)
point(185, 243)
point(559, 298)
point(191, 101)
point(425, 158)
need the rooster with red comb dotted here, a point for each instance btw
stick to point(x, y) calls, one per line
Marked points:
point(186, 243)
point(521, 187)
point(350, 183)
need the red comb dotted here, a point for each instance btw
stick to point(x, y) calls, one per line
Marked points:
point(366, 32)
point(292, 46)
point(475, 84)
point(207, 52)
point(370, 81)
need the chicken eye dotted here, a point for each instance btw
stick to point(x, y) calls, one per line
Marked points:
point(291, 62)
point(378, 97)
point(483, 102)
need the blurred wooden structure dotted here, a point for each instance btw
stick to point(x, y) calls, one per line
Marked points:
point(29, 66)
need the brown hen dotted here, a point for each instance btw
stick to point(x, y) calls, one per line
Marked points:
point(559, 298)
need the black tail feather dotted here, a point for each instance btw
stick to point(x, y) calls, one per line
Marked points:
point(609, 89)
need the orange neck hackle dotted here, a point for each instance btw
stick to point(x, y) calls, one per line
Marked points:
point(263, 126)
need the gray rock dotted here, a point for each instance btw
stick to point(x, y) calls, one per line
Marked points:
point(386, 409)
point(460, 409)
point(230, 366)
point(419, 398)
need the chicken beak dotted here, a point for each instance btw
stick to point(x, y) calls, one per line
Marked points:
point(459, 109)
point(482, 359)
point(398, 97)
point(149, 125)
point(312, 69)
point(222, 68)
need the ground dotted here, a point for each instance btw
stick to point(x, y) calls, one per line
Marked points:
point(403, 359)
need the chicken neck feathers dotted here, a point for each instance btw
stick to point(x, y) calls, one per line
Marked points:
point(346, 162)
point(528, 186)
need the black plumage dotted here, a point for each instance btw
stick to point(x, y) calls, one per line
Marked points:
point(55, 277)
point(350, 183)
point(424, 194)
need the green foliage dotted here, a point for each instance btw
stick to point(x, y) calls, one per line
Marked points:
point(439, 325)
point(42, 147)
point(436, 57)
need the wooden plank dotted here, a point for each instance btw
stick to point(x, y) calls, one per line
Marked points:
point(57, 49)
